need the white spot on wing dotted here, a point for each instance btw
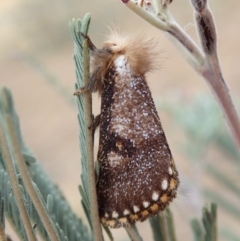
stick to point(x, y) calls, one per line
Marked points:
point(155, 196)
point(106, 215)
point(126, 212)
point(170, 171)
point(164, 184)
point(115, 214)
point(135, 209)
point(146, 204)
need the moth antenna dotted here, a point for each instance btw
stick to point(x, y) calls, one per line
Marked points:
point(91, 46)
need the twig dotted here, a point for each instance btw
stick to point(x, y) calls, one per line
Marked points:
point(15, 186)
point(88, 190)
point(133, 233)
point(163, 20)
point(212, 70)
point(91, 170)
point(205, 61)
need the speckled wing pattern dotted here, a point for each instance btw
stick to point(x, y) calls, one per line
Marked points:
point(137, 177)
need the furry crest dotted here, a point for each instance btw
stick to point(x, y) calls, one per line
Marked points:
point(139, 52)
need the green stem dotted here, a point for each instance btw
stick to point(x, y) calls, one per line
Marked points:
point(42, 212)
point(89, 136)
point(15, 186)
point(170, 225)
point(133, 233)
point(163, 227)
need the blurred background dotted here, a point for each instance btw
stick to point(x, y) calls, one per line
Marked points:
point(36, 64)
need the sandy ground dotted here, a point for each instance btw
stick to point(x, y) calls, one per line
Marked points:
point(38, 31)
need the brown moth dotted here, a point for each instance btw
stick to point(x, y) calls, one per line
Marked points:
point(138, 176)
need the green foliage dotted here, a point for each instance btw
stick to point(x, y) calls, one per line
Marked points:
point(209, 221)
point(162, 226)
point(81, 70)
point(67, 224)
point(203, 123)
point(84, 101)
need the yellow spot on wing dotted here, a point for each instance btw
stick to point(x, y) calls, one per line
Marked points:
point(134, 217)
point(111, 223)
point(144, 213)
point(173, 183)
point(154, 207)
point(123, 220)
point(164, 198)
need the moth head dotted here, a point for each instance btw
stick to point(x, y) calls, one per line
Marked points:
point(139, 50)
point(114, 46)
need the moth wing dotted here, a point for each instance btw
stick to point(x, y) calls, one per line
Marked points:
point(137, 176)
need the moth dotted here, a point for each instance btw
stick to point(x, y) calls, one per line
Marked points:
point(137, 175)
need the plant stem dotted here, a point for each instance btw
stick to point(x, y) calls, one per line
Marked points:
point(220, 89)
point(211, 70)
point(170, 225)
point(163, 20)
point(205, 60)
point(15, 186)
point(133, 234)
point(89, 136)
point(42, 212)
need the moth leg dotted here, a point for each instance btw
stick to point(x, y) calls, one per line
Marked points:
point(80, 90)
point(90, 85)
point(91, 46)
point(95, 123)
